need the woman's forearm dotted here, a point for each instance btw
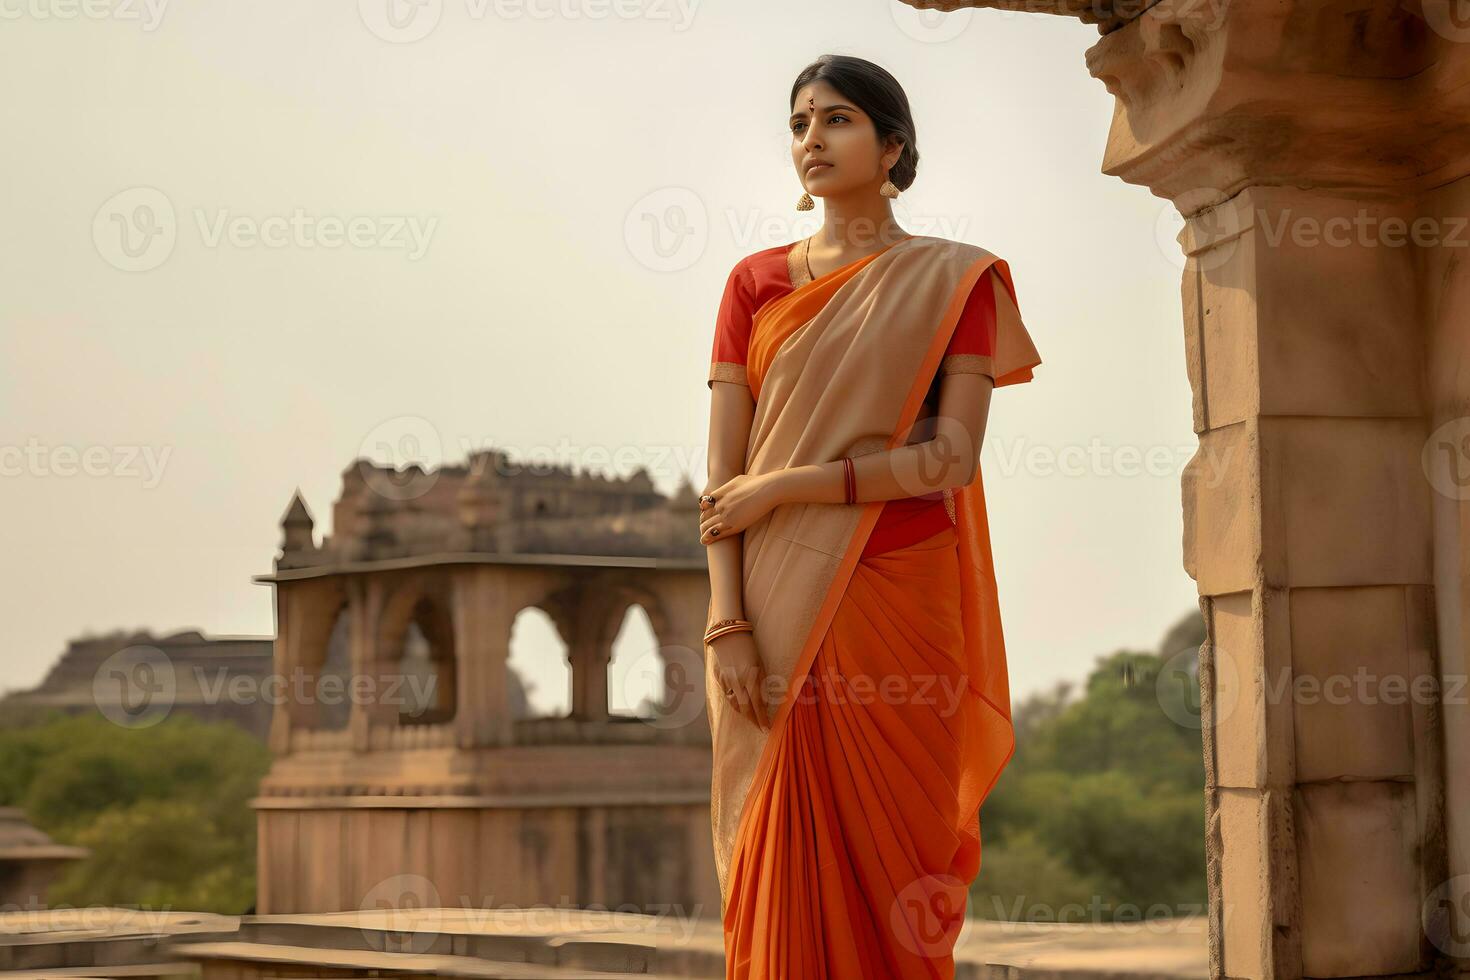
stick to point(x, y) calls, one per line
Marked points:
point(731, 410)
point(727, 591)
point(725, 559)
point(906, 471)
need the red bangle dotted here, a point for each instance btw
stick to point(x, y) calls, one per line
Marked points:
point(849, 480)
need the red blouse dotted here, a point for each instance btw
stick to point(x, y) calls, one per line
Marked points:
point(761, 277)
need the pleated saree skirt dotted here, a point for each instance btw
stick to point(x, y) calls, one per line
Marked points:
point(850, 867)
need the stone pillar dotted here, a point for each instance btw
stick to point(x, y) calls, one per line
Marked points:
point(1305, 143)
point(587, 613)
point(364, 604)
point(1307, 529)
point(590, 653)
point(284, 659)
point(484, 609)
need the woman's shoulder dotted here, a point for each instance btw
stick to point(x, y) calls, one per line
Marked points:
point(762, 274)
point(953, 246)
point(764, 258)
point(963, 255)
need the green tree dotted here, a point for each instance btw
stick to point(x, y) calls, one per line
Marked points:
point(1103, 804)
point(159, 854)
point(165, 809)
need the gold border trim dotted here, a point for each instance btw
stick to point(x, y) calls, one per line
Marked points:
point(726, 371)
point(968, 364)
point(796, 270)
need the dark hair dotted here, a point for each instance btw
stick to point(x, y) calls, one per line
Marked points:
point(877, 93)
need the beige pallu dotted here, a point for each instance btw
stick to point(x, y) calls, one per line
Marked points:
point(838, 368)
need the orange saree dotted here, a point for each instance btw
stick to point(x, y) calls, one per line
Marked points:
point(847, 836)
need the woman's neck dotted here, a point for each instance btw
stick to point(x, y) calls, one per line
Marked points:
point(853, 228)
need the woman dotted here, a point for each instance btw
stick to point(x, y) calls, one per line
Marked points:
point(856, 677)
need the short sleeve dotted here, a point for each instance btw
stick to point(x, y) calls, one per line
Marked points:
point(732, 329)
point(990, 337)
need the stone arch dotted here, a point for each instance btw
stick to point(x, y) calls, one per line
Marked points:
point(676, 609)
point(320, 647)
point(417, 660)
point(668, 653)
point(333, 713)
point(589, 610)
point(636, 668)
point(533, 671)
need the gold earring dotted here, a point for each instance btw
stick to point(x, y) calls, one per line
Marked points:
point(805, 202)
point(889, 189)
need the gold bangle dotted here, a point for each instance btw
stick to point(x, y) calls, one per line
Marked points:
point(723, 626)
point(733, 628)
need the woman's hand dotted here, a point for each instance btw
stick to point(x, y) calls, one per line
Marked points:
point(738, 503)
point(741, 674)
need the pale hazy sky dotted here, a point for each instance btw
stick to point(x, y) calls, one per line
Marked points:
point(541, 201)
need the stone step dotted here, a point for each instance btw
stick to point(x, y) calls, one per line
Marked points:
point(170, 970)
point(230, 955)
point(576, 938)
point(532, 942)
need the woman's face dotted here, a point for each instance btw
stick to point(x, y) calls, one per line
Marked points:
point(827, 127)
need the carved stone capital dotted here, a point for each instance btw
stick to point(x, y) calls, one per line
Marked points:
point(1215, 95)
